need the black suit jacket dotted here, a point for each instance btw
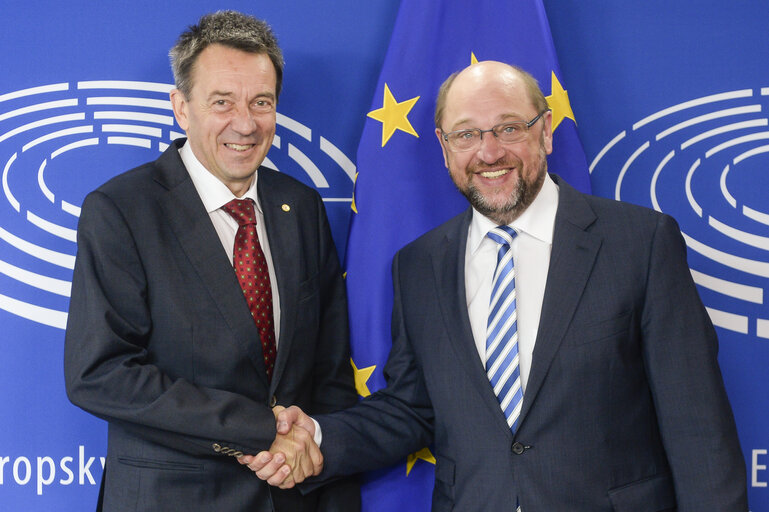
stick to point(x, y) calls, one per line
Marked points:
point(161, 344)
point(624, 409)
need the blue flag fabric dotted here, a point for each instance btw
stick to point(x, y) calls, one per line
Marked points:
point(403, 189)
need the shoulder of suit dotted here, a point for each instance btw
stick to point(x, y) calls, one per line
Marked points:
point(625, 222)
point(138, 188)
point(267, 177)
point(600, 205)
point(167, 166)
point(131, 185)
point(604, 207)
point(437, 237)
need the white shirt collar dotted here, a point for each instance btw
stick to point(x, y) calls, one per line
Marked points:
point(537, 221)
point(211, 190)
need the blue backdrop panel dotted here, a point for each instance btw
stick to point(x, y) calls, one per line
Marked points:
point(670, 103)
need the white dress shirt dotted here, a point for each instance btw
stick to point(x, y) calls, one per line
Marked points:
point(531, 257)
point(214, 195)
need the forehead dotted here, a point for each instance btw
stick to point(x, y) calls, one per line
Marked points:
point(481, 98)
point(220, 66)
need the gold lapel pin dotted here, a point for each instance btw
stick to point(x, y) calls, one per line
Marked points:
point(286, 208)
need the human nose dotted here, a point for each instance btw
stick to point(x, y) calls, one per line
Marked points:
point(490, 149)
point(243, 121)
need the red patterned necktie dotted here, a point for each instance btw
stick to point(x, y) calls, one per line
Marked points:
point(253, 275)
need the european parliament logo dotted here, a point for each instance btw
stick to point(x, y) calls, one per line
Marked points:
point(60, 141)
point(699, 161)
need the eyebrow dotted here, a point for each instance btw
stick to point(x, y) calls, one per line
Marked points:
point(227, 94)
point(502, 119)
point(268, 95)
point(215, 94)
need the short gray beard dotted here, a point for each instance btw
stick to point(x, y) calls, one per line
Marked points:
point(520, 199)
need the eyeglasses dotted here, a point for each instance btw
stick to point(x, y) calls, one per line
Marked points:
point(506, 133)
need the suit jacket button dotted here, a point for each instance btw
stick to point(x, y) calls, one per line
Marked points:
point(518, 448)
point(217, 447)
point(273, 401)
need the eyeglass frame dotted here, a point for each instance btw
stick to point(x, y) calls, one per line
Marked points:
point(528, 124)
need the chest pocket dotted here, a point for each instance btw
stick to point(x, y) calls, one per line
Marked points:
point(594, 332)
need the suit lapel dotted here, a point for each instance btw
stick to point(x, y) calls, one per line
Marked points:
point(191, 223)
point(284, 238)
point(449, 270)
point(573, 255)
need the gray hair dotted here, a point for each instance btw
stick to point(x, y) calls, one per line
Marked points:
point(228, 28)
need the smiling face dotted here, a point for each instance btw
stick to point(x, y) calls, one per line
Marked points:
point(229, 116)
point(499, 180)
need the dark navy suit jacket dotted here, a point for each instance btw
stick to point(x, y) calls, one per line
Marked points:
point(161, 344)
point(625, 408)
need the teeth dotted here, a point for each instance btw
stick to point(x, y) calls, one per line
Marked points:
point(494, 174)
point(239, 147)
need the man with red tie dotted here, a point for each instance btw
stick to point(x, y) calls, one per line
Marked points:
point(182, 356)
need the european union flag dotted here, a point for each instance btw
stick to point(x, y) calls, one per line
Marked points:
point(403, 190)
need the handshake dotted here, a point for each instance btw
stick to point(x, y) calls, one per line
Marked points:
point(293, 456)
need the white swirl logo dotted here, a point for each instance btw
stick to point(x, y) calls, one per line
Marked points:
point(59, 141)
point(704, 162)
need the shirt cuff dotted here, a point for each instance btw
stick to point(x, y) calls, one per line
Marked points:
point(318, 434)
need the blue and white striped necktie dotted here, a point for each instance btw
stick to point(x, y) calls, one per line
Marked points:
point(502, 359)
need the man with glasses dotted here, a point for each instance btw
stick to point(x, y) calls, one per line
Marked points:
point(549, 344)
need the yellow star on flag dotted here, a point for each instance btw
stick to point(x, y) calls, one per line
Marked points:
point(559, 102)
point(473, 59)
point(361, 378)
point(423, 454)
point(353, 205)
point(393, 115)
